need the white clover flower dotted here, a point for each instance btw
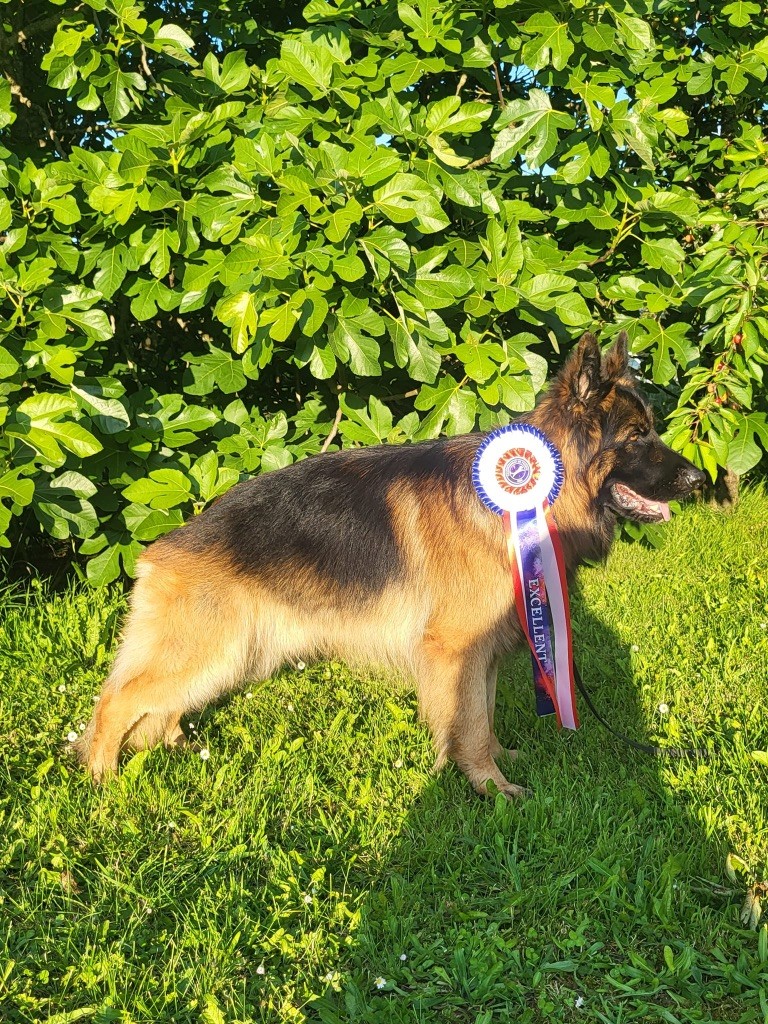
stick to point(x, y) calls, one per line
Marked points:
point(579, 1002)
point(62, 688)
point(72, 736)
point(403, 956)
point(399, 763)
point(663, 709)
point(261, 969)
point(635, 648)
point(380, 982)
point(205, 754)
point(191, 725)
point(81, 726)
point(289, 706)
point(249, 695)
point(307, 899)
point(764, 625)
point(300, 666)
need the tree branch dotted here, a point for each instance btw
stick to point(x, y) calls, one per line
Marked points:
point(480, 162)
point(37, 28)
point(16, 91)
point(334, 430)
point(502, 101)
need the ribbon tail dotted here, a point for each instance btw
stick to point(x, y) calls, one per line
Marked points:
point(521, 572)
point(553, 564)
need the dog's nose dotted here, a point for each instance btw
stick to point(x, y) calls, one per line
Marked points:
point(690, 478)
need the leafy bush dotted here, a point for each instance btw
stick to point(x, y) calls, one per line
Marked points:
point(239, 237)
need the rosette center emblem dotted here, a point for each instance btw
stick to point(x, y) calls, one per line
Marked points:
point(517, 471)
point(517, 467)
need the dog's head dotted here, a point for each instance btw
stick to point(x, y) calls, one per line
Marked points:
point(628, 470)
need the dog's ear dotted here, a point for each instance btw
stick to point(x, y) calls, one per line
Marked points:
point(616, 361)
point(582, 374)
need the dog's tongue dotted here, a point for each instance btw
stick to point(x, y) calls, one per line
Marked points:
point(659, 508)
point(647, 506)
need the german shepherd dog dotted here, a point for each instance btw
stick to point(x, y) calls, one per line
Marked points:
point(380, 556)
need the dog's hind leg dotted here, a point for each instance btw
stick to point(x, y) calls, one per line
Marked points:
point(186, 642)
point(157, 728)
point(454, 699)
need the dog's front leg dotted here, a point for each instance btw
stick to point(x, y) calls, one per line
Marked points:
point(491, 677)
point(455, 701)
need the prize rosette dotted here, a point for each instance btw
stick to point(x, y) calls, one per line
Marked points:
point(517, 474)
point(517, 468)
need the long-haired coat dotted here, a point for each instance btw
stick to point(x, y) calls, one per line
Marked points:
point(378, 556)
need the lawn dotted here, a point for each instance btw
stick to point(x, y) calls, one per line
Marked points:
point(312, 868)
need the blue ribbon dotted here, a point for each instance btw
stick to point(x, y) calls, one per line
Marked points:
point(538, 616)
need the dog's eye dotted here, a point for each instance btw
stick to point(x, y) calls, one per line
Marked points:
point(639, 434)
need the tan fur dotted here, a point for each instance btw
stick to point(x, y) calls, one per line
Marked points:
point(199, 627)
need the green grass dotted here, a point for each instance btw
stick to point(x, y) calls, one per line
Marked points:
point(314, 851)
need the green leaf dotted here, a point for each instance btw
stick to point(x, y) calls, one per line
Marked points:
point(668, 341)
point(441, 288)
point(743, 453)
point(631, 129)
point(531, 126)
point(599, 37)
point(385, 246)
point(19, 489)
point(406, 197)
point(162, 489)
point(238, 312)
point(425, 19)
point(413, 350)
point(741, 13)
point(452, 407)
point(216, 370)
point(62, 508)
point(111, 271)
point(108, 414)
point(342, 220)
point(352, 345)
point(147, 524)
point(8, 365)
point(551, 42)
point(306, 64)
point(39, 423)
point(663, 253)
point(542, 291)
point(635, 33)
point(233, 76)
point(313, 312)
point(367, 426)
point(174, 39)
point(701, 81)
point(104, 568)
point(450, 117)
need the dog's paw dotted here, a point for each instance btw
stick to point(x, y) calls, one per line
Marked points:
point(513, 792)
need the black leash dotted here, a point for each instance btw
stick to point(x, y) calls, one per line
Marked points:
point(644, 748)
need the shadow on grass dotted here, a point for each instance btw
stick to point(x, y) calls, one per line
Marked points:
point(178, 894)
point(596, 899)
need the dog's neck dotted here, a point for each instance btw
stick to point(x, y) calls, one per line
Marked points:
point(586, 529)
